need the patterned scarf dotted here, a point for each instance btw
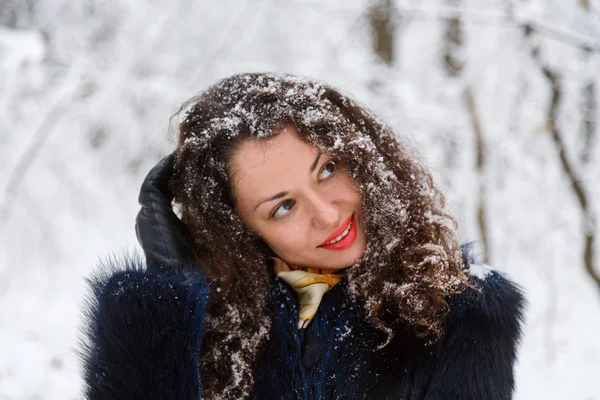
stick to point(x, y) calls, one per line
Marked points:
point(310, 284)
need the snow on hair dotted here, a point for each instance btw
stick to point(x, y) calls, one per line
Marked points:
point(412, 261)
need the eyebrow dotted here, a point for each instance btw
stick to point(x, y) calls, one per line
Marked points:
point(283, 194)
point(314, 164)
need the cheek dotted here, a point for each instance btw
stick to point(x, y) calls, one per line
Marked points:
point(348, 190)
point(285, 240)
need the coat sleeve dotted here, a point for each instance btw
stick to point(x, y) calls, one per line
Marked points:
point(482, 336)
point(143, 334)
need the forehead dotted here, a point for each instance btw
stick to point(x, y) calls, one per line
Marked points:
point(264, 167)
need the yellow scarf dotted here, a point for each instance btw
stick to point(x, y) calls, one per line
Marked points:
point(310, 284)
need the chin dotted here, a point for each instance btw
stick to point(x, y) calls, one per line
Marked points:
point(346, 260)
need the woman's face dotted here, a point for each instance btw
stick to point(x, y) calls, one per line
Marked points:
point(299, 200)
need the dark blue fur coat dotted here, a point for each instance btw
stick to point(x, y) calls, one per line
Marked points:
point(145, 330)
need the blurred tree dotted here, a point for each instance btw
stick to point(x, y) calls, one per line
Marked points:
point(589, 104)
point(572, 170)
point(454, 63)
point(383, 24)
point(585, 3)
point(590, 111)
point(16, 13)
point(453, 60)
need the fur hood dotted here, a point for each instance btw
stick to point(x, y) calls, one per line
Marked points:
point(144, 332)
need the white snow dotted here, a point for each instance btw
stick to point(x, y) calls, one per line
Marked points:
point(479, 270)
point(87, 89)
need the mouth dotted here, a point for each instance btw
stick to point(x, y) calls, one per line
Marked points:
point(343, 236)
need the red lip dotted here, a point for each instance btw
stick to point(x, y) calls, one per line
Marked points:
point(338, 231)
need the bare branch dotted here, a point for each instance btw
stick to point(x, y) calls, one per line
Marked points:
point(381, 18)
point(588, 127)
point(454, 65)
point(589, 223)
point(453, 62)
point(590, 106)
point(494, 17)
point(480, 167)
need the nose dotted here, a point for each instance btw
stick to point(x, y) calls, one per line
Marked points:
point(325, 213)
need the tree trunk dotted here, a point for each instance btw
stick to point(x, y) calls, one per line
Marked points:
point(590, 107)
point(588, 123)
point(589, 226)
point(453, 60)
point(381, 18)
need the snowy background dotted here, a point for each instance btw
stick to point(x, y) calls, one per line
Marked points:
point(502, 98)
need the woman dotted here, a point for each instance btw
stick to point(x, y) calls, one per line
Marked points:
point(313, 260)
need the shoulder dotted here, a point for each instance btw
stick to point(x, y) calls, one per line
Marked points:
point(124, 289)
point(122, 277)
point(146, 322)
point(479, 347)
point(493, 302)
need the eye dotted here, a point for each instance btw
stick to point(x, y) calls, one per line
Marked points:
point(327, 170)
point(282, 209)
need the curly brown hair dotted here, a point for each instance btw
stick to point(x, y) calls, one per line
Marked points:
point(412, 261)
